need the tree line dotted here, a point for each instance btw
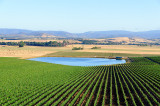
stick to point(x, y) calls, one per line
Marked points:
point(49, 44)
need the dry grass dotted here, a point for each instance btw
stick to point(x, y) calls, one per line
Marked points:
point(134, 40)
point(33, 51)
point(25, 52)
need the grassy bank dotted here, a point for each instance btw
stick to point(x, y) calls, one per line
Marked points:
point(94, 54)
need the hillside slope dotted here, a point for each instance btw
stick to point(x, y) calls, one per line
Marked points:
point(20, 33)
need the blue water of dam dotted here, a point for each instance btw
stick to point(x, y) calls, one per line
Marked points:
point(74, 61)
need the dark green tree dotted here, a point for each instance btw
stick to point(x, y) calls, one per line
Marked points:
point(21, 44)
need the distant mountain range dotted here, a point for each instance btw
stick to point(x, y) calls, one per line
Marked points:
point(21, 33)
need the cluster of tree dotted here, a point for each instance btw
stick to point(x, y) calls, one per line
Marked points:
point(142, 44)
point(96, 47)
point(20, 44)
point(77, 48)
point(88, 41)
point(109, 43)
point(148, 44)
point(117, 43)
point(50, 43)
point(9, 43)
point(114, 43)
point(99, 43)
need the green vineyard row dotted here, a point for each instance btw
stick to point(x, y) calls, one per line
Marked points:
point(136, 83)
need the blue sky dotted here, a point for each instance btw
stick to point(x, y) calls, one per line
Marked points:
point(80, 15)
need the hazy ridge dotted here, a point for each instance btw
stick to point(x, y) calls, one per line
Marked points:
point(22, 33)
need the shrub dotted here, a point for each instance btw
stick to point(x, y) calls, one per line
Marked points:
point(77, 48)
point(96, 47)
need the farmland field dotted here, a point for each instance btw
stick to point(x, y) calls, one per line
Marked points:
point(25, 82)
point(105, 51)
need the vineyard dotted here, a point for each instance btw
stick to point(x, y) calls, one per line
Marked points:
point(25, 82)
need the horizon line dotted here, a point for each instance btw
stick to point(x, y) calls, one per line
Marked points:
point(84, 31)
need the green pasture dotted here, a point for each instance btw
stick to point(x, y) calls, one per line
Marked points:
point(94, 54)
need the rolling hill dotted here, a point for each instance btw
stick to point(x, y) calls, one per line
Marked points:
point(21, 33)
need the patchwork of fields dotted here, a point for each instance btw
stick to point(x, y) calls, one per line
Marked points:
point(25, 82)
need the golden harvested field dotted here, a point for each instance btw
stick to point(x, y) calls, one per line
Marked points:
point(127, 40)
point(35, 51)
